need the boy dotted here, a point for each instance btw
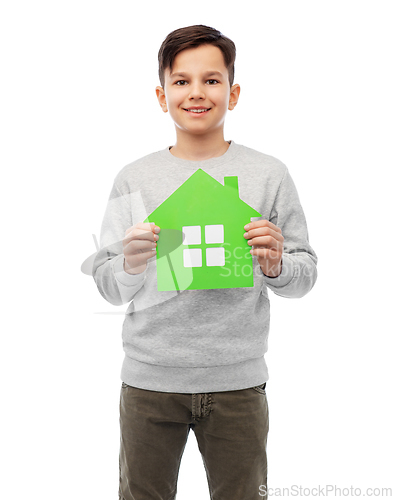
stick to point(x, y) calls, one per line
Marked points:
point(195, 359)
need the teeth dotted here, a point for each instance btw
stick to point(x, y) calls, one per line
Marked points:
point(197, 110)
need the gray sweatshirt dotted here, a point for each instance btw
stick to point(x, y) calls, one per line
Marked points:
point(204, 340)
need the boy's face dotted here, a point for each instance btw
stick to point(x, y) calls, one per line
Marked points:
point(199, 78)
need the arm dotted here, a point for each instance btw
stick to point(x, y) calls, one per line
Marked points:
point(114, 284)
point(281, 245)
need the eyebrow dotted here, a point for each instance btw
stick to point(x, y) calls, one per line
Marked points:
point(208, 73)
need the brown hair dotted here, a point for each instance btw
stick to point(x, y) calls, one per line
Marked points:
point(191, 37)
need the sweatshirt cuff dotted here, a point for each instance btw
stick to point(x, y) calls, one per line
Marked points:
point(287, 273)
point(125, 278)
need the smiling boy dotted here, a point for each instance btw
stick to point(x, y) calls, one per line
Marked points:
point(199, 79)
point(195, 360)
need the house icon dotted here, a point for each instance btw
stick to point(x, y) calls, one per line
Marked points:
point(201, 244)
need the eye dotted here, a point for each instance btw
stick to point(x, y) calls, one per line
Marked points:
point(180, 83)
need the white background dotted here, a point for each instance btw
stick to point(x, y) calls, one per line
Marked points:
point(78, 103)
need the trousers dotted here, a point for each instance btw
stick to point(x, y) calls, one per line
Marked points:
point(231, 429)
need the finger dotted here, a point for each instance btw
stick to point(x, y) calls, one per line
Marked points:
point(141, 233)
point(262, 223)
point(265, 253)
point(147, 226)
point(268, 226)
point(265, 242)
point(264, 231)
point(137, 246)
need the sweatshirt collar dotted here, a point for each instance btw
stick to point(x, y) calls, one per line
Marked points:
point(229, 154)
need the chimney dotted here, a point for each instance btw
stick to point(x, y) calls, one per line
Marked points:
point(232, 182)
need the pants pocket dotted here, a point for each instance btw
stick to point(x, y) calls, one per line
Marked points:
point(260, 388)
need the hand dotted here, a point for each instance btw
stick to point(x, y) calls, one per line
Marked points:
point(267, 240)
point(139, 245)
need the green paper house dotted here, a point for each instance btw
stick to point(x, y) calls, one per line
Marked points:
point(201, 244)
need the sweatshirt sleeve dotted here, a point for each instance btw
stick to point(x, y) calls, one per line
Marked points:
point(299, 261)
point(113, 283)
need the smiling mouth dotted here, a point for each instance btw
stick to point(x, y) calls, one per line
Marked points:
point(197, 111)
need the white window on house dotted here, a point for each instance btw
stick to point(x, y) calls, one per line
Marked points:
point(192, 257)
point(191, 235)
point(215, 256)
point(214, 234)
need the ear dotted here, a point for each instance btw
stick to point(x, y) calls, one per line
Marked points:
point(234, 96)
point(161, 98)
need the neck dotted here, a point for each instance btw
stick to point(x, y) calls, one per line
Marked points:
point(196, 148)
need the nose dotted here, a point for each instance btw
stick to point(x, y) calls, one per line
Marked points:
point(196, 91)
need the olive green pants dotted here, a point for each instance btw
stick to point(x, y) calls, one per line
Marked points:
point(231, 430)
